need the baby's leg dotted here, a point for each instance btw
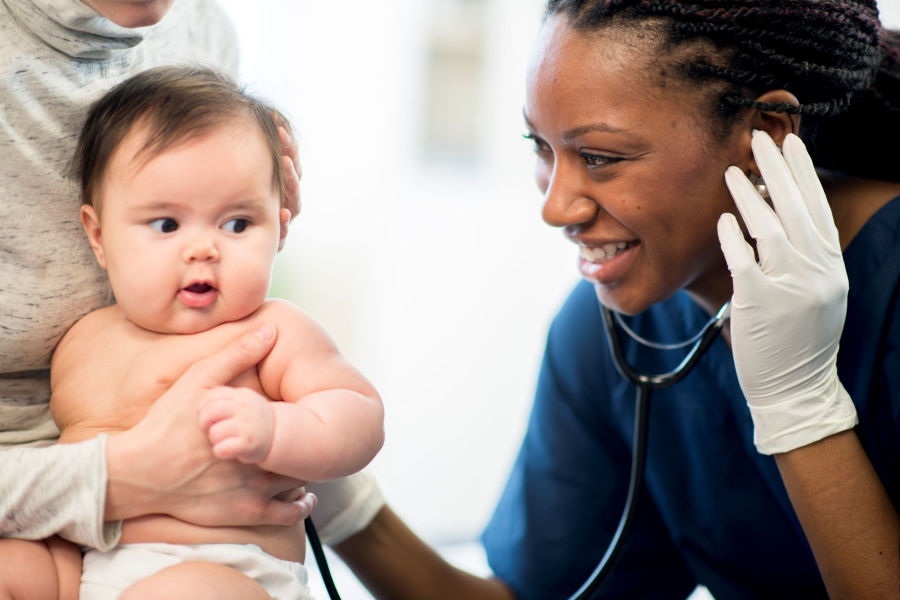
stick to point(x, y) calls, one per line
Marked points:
point(44, 570)
point(196, 581)
point(67, 558)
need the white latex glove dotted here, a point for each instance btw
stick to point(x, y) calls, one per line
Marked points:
point(346, 506)
point(788, 310)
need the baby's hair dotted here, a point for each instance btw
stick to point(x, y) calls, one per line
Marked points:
point(833, 55)
point(174, 104)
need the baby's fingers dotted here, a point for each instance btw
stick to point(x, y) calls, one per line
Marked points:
point(224, 429)
point(230, 449)
point(214, 411)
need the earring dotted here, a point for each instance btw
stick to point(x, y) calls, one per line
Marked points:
point(761, 188)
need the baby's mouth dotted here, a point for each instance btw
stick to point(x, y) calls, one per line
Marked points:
point(199, 288)
point(198, 295)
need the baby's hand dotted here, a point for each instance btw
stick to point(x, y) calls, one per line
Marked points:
point(238, 422)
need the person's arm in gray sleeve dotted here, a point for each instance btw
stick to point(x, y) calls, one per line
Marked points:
point(162, 465)
point(346, 506)
point(56, 489)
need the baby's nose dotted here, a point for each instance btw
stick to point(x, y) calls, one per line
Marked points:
point(201, 250)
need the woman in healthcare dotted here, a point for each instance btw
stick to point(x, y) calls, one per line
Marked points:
point(652, 121)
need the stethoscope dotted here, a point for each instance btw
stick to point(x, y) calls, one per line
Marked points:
point(645, 384)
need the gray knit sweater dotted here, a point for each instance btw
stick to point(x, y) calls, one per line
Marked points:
point(56, 57)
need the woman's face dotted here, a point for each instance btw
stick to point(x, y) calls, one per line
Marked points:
point(628, 169)
point(131, 13)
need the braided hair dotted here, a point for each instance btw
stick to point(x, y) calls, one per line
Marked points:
point(833, 55)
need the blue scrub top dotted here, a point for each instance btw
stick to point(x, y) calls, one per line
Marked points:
point(714, 511)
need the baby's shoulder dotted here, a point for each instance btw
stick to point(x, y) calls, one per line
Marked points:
point(300, 337)
point(98, 340)
point(86, 331)
point(289, 319)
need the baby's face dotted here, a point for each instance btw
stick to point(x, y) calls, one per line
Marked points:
point(189, 237)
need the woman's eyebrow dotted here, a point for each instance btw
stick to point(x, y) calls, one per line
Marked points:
point(577, 131)
point(581, 130)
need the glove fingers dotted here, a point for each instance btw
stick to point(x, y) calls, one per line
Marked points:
point(762, 222)
point(738, 255)
point(804, 171)
point(786, 196)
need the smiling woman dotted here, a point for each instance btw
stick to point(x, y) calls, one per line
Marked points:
point(636, 110)
point(618, 172)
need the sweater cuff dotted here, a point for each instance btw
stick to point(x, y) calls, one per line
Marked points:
point(92, 530)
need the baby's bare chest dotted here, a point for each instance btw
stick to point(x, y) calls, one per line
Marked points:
point(118, 379)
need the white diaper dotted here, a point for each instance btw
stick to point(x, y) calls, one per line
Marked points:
point(106, 575)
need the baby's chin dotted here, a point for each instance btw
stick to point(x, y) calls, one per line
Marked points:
point(183, 324)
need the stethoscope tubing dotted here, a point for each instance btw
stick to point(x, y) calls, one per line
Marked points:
point(645, 384)
point(319, 553)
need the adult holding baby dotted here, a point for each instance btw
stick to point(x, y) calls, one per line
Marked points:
point(57, 57)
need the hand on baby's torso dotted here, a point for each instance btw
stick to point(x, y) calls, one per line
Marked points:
point(107, 371)
point(105, 375)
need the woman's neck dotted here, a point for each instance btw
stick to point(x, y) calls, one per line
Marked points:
point(853, 201)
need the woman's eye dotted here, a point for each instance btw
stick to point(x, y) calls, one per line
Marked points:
point(236, 225)
point(539, 144)
point(164, 225)
point(599, 160)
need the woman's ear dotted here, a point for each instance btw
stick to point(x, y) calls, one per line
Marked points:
point(776, 124)
point(91, 223)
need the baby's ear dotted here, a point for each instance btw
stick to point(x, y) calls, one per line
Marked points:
point(284, 216)
point(91, 223)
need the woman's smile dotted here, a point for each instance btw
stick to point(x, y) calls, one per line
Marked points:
point(609, 263)
point(631, 178)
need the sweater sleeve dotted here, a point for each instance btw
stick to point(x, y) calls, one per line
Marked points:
point(56, 490)
point(346, 506)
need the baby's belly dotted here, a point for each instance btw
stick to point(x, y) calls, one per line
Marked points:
point(286, 543)
point(89, 430)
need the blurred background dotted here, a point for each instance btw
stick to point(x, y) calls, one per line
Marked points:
point(420, 246)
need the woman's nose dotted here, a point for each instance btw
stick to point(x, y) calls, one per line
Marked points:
point(566, 202)
point(201, 250)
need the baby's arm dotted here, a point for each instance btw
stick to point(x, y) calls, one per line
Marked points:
point(330, 423)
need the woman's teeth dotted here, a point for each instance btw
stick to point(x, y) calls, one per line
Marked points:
point(600, 254)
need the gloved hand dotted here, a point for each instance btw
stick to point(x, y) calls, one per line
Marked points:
point(346, 506)
point(788, 310)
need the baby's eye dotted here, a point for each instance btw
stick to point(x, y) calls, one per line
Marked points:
point(236, 225)
point(164, 225)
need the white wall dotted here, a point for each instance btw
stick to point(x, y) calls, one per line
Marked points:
point(890, 13)
point(438, 283)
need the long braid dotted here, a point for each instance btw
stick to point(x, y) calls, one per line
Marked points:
point(833, 55)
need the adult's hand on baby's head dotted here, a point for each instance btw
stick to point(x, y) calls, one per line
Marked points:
point(165, 463)
point(290, 162)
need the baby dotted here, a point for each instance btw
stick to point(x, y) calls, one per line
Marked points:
point(183, 191)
